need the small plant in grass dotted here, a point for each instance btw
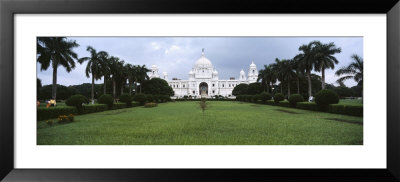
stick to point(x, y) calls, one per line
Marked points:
point(203, 104)
point(50, 122)
point(126, 98)
point(106, 99)
point(278, 97)
point(325, 97)
point(295, 98)
point(141, 98)
point(265, 96)
point(65, 118)
point(150, 104)
point(77, 101)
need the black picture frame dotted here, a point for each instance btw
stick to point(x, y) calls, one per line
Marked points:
point(8, 8)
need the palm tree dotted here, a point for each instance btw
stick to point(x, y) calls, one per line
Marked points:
point(267, 76)
point(288, 72)
point(307, 61)
point(141, 75)
point(131, 72)
point(277, 67)
point(114, 66)
point(105, 69)
point(353, 71)
point(324, 58)
point(57, 51)
point(93, 66)
point(296, 64)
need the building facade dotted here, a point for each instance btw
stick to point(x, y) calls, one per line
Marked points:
point(203, 80)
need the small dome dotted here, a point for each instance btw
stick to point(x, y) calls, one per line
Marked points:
point(203, 61)
point(252, 65)
point(242, 72)
point(164, 73)
point(215, 72)
point(191, 72)
point(153, 66)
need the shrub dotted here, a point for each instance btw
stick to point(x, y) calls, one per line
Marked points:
point(284, 104)
point(106, 99)
point(158, 98)
point(265, 96)
point(149, 98)
point(119, 106)
point(249, 98)
point(255, 98)
point(325, 97)
point(126, 98)
point(295, 98)
point(92, 108)
point(166, 98)
point(270, 102)
point(77, 101)
point(336, 108)
point(54, 112)
point(278, 97)
point(150, 104)
point(141, 98)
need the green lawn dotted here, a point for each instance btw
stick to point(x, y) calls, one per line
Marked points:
point(223, 123)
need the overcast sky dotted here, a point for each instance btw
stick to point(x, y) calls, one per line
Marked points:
point(177, 55)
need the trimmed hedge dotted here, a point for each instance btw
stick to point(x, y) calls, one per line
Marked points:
point(270, 102)
point(92, 108)
point(119, 106)
point(308, 106)
point(326, 97)
point(353, 110)
point(106, 99)
point(126, 98)
point(54, 112)
point(284, 104)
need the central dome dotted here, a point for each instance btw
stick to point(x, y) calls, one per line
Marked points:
point(203, 61)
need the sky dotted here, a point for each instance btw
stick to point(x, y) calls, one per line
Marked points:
point(177, 55)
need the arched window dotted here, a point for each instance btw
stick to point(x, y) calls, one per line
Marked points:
point(253, 71)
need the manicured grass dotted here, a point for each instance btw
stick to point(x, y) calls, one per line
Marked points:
point(350, 101)
point(223, 123)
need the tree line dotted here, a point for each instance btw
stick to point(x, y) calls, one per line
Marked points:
point(58, 52)
point(314, 56)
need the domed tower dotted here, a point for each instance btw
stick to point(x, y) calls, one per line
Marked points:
point(253, 73)
point(215, 74)
point(154, 72)
point(191, 75)
point(242, 76)
point(165, 76)
point(203, 68)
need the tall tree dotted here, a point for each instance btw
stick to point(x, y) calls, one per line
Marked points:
point(56, 51)
point(288, 72)
point(141, 75)
point(353, 71)
point(93, 65)
point(105, 69)
point(267, 77)
point(296, 64)
point(277, 67)
point(307, 61)
point(324, 58)
point(131, 72)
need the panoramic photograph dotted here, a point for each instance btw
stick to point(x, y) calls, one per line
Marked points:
point(199, 90)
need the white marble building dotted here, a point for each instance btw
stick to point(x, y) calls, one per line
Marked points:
point(203, 80)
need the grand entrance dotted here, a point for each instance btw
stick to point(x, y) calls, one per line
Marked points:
point(203, 87)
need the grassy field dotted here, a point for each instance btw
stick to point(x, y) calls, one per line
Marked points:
point(223, 123)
